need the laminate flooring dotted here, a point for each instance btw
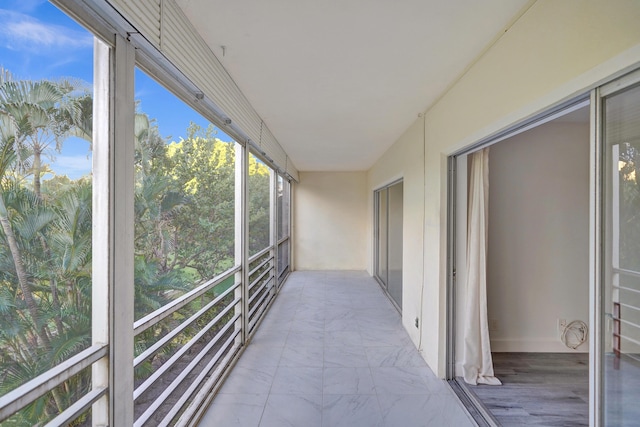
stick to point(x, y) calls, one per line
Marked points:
point(540, 389)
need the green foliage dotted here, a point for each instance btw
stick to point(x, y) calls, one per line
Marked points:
point(629, 200)
point(259, 200)
point(203, 167)
point(184, 234)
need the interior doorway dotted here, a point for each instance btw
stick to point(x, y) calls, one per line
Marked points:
point(388, 240)
point(537, 273)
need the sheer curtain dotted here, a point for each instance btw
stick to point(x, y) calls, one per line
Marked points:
point(477, 364)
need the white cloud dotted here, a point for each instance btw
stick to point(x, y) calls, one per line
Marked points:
point(23, 5)
point(72, 166)
point(23, 32)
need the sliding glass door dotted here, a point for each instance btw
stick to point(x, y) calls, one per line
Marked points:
point(620, 260)
point(388, 244)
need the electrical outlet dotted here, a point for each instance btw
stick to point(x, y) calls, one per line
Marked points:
point(417, 322)
point(493, 325)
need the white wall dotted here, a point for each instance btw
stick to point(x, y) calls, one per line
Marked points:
point(538, 247)
point(556, 50)
point(404, 160)
point(330, 221)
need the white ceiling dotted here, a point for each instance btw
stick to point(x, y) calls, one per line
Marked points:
point(338, 81)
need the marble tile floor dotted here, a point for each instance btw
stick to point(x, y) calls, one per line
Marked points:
point(332, 352)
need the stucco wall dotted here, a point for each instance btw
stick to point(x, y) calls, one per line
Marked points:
point(404, 160)
point(555, 51)
point(330, 221)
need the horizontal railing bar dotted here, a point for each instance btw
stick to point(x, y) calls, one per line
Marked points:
point(259, 254)
point(624, 272)
point(632, 307)
point(265, 285)
point(183, 374)
point(20, 397)
point(624, 288)
point(171, 335)
point(260, 277)
point(626, 322)
point(188, 415)
point(253, 322)
point(631, 356)
point(283, 277)
point(173, 359)
point(257, 293)
point(262, 264)
point(281, 241)
point(624, 337)
point(258, 304)
point(166, 421)
point(78, 408)
point(281, 273)
point(166, 310)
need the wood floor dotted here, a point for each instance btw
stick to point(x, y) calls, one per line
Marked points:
point(539, 389)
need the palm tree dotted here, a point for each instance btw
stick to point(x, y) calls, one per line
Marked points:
point(47, 241)
point(44, 112)
point(7, 159)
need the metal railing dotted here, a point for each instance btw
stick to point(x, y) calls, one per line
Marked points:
point(193, 369)
point(46, 382)
point(170, 308)
point(178, 376)
point(620, 319)
point(283, 259)
point(261, 287)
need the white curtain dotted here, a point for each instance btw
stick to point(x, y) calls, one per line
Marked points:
point(477, 364)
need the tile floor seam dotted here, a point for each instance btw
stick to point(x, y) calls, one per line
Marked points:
point(384, 423)
point(316, 298)
point(264, 408)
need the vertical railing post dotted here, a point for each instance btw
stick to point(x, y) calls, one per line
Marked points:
point(242, 235)
point(273, 226)
point(290, 226)
point(121, 298)
point(101, 234)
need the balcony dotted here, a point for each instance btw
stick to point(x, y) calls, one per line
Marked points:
point(330, 352)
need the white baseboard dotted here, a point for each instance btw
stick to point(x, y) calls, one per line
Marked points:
point(510, 345)
point(515, 345)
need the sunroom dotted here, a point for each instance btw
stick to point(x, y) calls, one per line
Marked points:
point(266, 213)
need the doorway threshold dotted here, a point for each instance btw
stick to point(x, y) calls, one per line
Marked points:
point(474, 406)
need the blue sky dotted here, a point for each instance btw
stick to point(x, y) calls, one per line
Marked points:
point(38, 41)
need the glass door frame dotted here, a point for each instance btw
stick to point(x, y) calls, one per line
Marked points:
point(383, 281)
point(619, 82)
point(599, 240)
point(453, 276)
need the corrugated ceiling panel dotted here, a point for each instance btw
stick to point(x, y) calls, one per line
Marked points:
point(145, 15)
point(183, 46)
point(293, 172)
point(270, 146)
point(187, 51)
point(163, 23)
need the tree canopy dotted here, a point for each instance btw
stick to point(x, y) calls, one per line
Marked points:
point(184, 229)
